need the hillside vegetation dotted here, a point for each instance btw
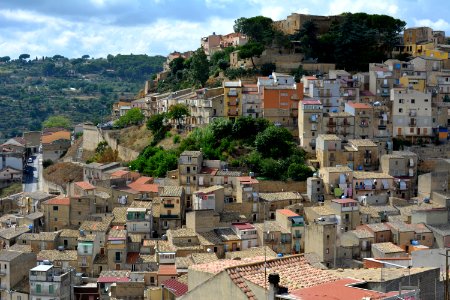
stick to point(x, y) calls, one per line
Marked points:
point(250, 144)
point(82, 89)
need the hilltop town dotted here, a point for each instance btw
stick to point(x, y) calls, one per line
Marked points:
point(306, 182)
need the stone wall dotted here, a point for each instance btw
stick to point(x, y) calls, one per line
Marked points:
point(92, 136)
point(271, 186)
point(52, 188)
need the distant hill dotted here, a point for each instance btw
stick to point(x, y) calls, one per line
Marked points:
point(82, 89)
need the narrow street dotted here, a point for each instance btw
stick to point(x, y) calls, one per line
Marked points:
point(33, 177)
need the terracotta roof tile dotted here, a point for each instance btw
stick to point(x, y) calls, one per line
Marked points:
point(85, 185)
point(60, 200)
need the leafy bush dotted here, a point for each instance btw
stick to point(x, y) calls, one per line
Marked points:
point(176, 139)
point(132, 117)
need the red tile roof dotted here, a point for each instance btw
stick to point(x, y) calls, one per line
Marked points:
point(316, 102)
point(346, 200)
point(178, 288)
point(167, 270)
point(341, 289)
point(208, 170)
point(144, 184)
point(243, 226)
point(119, 173)
point(287, 212)
point(247, 180)
point(295, 273)
point(58, 201)
point(85, 185)
point(359, 105)
point(50, 137)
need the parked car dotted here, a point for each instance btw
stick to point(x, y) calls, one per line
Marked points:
point(30, 160)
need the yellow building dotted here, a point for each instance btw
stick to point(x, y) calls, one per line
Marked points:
point(232, 99)
point(417, 82)
point(56, 213)
point(436, 53)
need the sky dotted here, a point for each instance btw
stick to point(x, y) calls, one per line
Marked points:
point(73, 28)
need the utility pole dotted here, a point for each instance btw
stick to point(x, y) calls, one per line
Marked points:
point(446, 290)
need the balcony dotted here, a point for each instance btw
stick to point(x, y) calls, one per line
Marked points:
point(384, 85)
point(251, 111)
point(381, 127)
point(232, 94)
point(331, 124)
point(312, 143)
point(365, 187)
point(367, 162)
point(331, 157)
point(233, 103)
point(169, 205)
point(412, 113)
point(331, 131)
point(364, 124)
point(169, 216)
point(412, 123)
point(233, 113)
point(345, 123)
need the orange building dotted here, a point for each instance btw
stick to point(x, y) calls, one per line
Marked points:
point(280, 96)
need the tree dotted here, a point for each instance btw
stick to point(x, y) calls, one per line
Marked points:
point(199, 66)
point(259, 29)
point(250, 50)
point(24, 56)
point(5, 59)
point(274, 142)
point(176, 65)
point(86, 56)
point(132, 117)
point(156, 122)
point(268, 68)
point(307, 36)
point(299, 172)
point(178, 112)
point(57, 121)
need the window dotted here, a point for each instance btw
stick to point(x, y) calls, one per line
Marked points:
point(413, 100)
point(51, 289)
point(400, 110)
point(38, 288)
point(411, 130)
point(117, 256)
point(327, 251)
point(401, 101)
point(426, 100)
point(56, 219)
point(55, 207)
point(85, 249)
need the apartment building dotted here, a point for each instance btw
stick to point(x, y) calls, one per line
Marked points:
point(14, 267)
point(309, 123)
point(328, 91)
point(280, 96)
point(381, 80)
point(48, 282)
point(402, 165)
point(56, 213)
point(232, 99)
point(363, 114)
point(411, 114)
point(251, 101)
point(341, 124)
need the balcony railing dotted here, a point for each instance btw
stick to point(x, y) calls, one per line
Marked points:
point(412, 113)
point(169, 216)
point(331, 124)
point(345, 124)
point(412, 124)
point(250, 110)
point(233, 113)
point(169, 205)
point(381, 127)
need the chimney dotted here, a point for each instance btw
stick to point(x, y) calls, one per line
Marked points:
point(274, 280)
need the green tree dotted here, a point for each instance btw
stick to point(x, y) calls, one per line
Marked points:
point(132, 117)
point(268, 68)
point(199, 67)
point(275, 142)
point(250, 50)
point(259, 29)
point(299, 172)
point(5, 59)
point(57, 121)
point(156, 123)
point(307, 36)
point(24, 56)
point(86, 56)
point(178, 112)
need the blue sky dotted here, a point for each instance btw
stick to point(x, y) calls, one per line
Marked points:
point(73, 28)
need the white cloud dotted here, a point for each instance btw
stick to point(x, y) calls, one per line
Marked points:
point(440, 24)
point(380, 7)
